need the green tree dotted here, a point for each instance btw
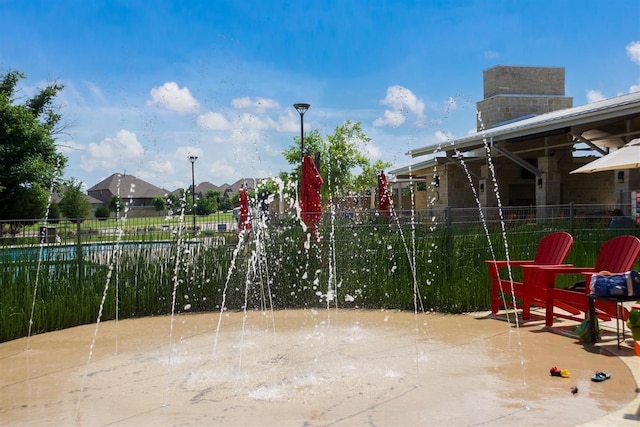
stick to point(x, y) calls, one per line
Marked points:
point(159, 203)
point(208, 204)
point(225, 203)
point(102, 212)
point(29, 160)
point(116, 204)
point(235, 199)
point(179, 202)
point(54, 213)
point(74, 204)
point(343, 165)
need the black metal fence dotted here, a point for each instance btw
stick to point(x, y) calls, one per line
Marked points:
point(223, 226)
point(429, 259)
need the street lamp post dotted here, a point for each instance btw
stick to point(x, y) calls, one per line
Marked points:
point(193, 191)
point(302, 108)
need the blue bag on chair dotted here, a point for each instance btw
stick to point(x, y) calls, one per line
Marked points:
point(616, 285)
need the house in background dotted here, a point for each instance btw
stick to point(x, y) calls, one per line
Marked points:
point(138, 193)
point(225, 190)
point(95, 203)
point(231, 189)
point(533, 134)
point(56, 197)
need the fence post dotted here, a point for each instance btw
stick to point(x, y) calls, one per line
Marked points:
point(448, 232)
point(79, 257)
point(571, 218)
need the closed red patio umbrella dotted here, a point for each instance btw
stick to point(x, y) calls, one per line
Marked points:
point(384, 198)
point(310, 183)
point(245, 219)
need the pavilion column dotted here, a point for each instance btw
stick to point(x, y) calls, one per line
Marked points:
point(548, 189)
point(486, 191)
point(373, 199)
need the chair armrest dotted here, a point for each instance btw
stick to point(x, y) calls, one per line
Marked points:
point(564, 269)
point(512, 263)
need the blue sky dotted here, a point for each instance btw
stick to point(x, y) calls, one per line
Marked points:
point(148, 83)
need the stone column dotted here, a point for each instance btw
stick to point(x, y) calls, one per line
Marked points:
point(549, 192)
point(548, 186)
point(486, 190)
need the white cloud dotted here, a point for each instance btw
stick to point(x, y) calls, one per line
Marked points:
point(245, 135)
point(160, 166)
point(69, 95)
point(290, 122)
point(257, 103)
point(400, 100)
point(490, 54)
point(633, 50)
point(252, 121)
point(213, 121)
point(443, 136)
point(113, 154)
point(451, 105)
point(186, 151)
point(391, 118)
point(171, 97)
point(634, 88)
point(248, 117)
point(221, 169)
point(95, 91)
point(594, 96)
point(370, 150)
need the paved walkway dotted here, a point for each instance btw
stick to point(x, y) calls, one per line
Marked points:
point(316, 368)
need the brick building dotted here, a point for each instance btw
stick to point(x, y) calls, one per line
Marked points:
point(534, 136)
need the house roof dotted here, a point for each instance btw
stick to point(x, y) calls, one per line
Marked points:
point(250, 182)
point(590, 119)
point(128, 186)
point(92, 200)
point(206, 186)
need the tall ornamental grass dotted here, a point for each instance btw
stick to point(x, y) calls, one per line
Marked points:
point(375, 264)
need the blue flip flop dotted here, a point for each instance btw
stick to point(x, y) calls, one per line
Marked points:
point(600, 376)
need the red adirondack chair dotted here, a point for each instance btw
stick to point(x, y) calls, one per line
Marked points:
point(552, 250)
point(617, 255)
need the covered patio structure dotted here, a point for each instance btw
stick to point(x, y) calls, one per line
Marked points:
point(532, 155)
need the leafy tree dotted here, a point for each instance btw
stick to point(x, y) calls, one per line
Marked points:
point(102, 212)
point(208, 204)
point(225, 203)
point(343, 165)
point(115, 204)
point(235, 199)
point(54, 213)
point(29, 160)
point(159, 203)
point(74, 204)
point(179, 202)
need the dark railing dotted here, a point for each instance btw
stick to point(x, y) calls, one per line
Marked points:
point(429, 259)
point(21, 232)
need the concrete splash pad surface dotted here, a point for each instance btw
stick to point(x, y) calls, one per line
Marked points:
point(316, 368)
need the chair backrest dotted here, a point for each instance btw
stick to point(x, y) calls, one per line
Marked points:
point(553, 248)
point(618, 254)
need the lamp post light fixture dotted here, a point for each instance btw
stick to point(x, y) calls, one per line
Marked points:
point(302, 108)
point(193, 191)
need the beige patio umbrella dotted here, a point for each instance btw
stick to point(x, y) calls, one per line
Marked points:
point(627, 157)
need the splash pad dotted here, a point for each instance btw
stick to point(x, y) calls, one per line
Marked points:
point(306, 367)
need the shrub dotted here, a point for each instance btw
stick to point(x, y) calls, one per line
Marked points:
point(102, 212)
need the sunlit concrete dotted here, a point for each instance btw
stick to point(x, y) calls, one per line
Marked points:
point(313, 368)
